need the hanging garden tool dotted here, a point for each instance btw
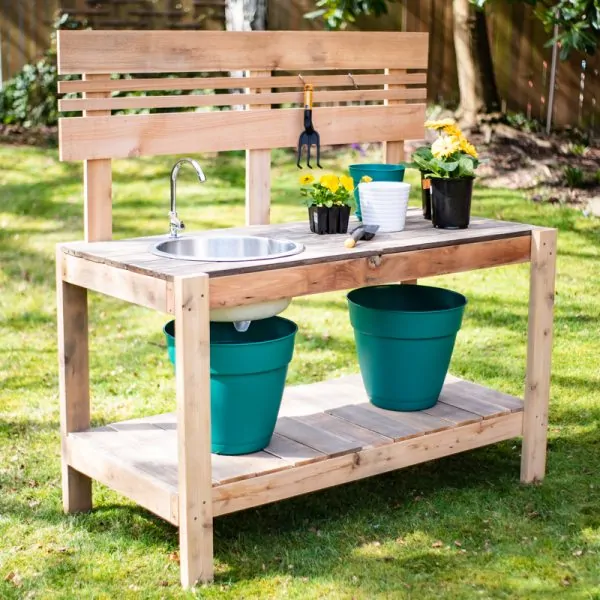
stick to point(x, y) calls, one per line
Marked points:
point(309, 136)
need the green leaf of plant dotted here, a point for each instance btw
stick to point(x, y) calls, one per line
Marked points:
point(465, 167)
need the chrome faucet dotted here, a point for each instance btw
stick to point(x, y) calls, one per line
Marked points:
point(176, 225)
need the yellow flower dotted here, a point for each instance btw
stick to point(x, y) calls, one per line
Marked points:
point(331, 182)
point(445, 146)
point(468, 148)
point(453, 130)
point(440, 124)
point(347, 182)
point(366, 179)
point(306, 179)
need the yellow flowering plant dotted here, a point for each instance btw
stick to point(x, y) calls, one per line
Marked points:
point(329, 191)
point(450, 156)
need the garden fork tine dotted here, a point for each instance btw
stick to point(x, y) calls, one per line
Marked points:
point(309, 136)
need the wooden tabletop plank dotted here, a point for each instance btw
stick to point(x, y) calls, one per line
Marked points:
point(233, 468)
point(415, 419)
point(456, 396)
point(362, 416)
point(292, 451)
point(360, 435)
point(135, 255)
point(494, 397)
point(315, 437)
point(452, 414)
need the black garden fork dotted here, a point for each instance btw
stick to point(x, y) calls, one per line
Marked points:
point(309, 136)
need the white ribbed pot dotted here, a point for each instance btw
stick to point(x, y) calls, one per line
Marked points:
point(384, 203)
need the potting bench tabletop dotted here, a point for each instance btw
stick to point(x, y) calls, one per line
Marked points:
point(369, 87)
point(324, 265)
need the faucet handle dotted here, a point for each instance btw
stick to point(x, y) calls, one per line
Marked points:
point(175, 223)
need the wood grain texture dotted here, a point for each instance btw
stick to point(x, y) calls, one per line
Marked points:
point(183, 51)
point(97, 179)
point(346, 274)
point(248, 99)
point(370, 461)
point(258, 170)
point(363, 416)
point(82, 138)
point(192, 360)
point(74, 385)
point(138, 457)
point(509, 243)
point(315, 437)
point(86, 452)
point(132, 287)
point(539, 354)
point(228, 83)
point(393, 151)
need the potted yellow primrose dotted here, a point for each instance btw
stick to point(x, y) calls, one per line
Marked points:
point(447, 169)
point(328, 201)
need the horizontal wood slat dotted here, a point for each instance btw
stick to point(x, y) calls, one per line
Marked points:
point(193, 51)
point(224, 83)
point(196, 100)
point(84, 138)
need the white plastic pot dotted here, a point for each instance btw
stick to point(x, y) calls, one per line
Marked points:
point(384, 203)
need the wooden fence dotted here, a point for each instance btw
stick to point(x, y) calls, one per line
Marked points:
point(519, 44)
point(26, 25)
point(521, 57)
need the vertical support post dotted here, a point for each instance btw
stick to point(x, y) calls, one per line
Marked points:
point(393, 152)
point(192, 367)
point(97, 182)
point(539, 354)
point(73, 358)
point(258, 172)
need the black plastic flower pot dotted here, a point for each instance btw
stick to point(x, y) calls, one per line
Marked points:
point(426, 196)
point(344, 217)
point(334, 220)
point(451, 202)
point(318, 217)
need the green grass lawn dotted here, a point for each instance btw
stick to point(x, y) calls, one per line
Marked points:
point(462, 527)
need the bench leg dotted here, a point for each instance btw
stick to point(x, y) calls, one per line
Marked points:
point(72, 313)
point(539, 354)
point(192, 352)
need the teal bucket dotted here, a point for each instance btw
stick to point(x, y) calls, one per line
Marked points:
point(405, 337)
point(247, 378)
point(377, 172)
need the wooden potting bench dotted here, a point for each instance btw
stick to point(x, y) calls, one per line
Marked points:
point(327, 433)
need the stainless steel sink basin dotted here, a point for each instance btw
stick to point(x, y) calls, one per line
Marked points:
point(225, 248)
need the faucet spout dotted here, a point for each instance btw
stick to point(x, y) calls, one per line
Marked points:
point(176, 225)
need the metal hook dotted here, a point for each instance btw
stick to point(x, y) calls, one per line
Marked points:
point(354, 82)
point(301, 79)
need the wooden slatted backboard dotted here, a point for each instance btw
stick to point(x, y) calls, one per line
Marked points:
point(384, 72)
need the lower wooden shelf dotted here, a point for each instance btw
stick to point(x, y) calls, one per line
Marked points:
point(327, 434)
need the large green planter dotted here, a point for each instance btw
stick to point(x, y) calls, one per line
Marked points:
point(247, 378)
point(405, 336)
point(377, 172)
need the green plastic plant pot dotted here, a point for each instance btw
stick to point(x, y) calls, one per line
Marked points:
point(405, 337)
point(247, 378)
point(377, 172)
